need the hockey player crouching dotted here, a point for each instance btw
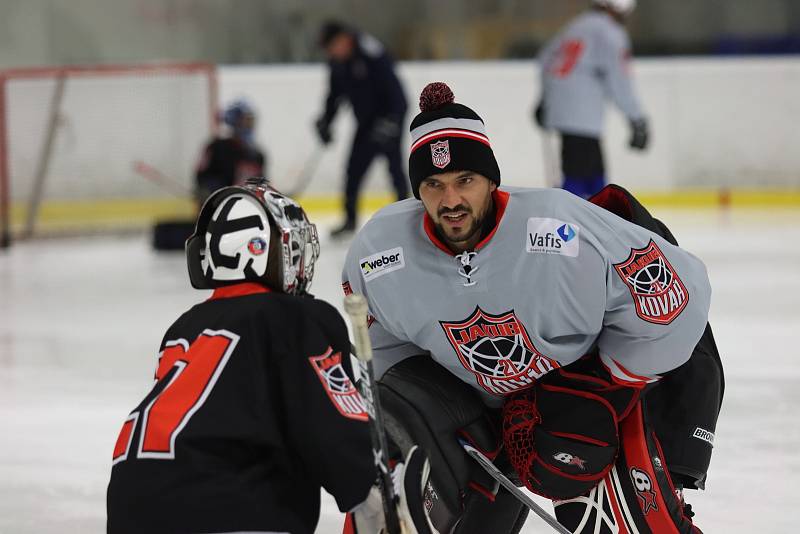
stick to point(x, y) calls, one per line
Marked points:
point(253, 409)
point(566, 339)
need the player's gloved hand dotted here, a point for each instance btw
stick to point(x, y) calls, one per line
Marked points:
point(385, 130)
point(410, 479)
point(640, 134)
point(561, 435)
point(538, 114)
point(323, 128)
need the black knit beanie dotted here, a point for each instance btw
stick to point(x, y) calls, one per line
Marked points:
point(445, 137)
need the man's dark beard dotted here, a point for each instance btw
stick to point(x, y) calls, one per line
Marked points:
point(483, 225)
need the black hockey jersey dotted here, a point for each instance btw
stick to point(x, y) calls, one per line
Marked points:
point(253, 410)
point(225, 162)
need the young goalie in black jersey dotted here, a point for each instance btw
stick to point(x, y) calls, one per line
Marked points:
point(253, 408)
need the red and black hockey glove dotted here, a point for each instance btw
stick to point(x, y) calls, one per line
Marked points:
point(561, 435)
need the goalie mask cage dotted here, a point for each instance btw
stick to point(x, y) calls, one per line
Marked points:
point(90, 149)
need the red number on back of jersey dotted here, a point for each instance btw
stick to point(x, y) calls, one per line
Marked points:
point(568, 55)
point(198, 368)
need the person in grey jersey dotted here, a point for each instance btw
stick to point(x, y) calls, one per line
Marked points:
point(584, 65)
point(561, 317)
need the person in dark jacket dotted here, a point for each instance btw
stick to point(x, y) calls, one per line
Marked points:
point(362, 72)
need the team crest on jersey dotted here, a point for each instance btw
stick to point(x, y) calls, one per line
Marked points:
point(340, 389)
point(440, 154)
point(497, 350)
point(644, 489)
point(657, 290)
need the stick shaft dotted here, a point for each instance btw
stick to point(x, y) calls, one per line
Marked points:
point(496, 474)
point(356, 307)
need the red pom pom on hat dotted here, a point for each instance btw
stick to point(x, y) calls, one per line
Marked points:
point(434, 96)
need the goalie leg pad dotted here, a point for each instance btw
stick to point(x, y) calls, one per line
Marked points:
point(425, 404)
point(637, 495)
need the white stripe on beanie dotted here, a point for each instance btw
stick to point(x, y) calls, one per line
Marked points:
point(473, 125)
point(450, 133)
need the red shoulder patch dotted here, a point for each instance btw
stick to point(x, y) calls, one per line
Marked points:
point(656, 288)
point(340, 389)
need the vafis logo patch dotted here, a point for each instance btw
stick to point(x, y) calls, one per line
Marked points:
point(381, 263)
point(657, 290)
point(440, 154)
point(644, 490)
point(552, 236)
point(340, 389)
point(497, 350)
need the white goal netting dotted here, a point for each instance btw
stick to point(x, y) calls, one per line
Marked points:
point(86, 149)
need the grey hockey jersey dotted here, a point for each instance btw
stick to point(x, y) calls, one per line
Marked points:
point(583, 65)
point(556, 278)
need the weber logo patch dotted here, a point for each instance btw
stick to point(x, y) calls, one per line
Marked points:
point(657, 290)
point(552, 236)
point(340, 389)
point(497, 350)
point(381, 263)
point(703, 434)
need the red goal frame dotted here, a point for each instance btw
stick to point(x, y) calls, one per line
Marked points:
point(85, 71)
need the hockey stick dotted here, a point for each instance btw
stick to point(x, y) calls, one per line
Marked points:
point(356, 307)
point(306, 173)
point(159, 178)
point(496, 474)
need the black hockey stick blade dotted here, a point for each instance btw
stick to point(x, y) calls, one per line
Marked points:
point(496, 474)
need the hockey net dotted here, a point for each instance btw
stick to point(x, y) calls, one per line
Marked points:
point(97, 148)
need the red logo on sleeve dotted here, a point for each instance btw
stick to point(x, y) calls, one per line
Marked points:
point(340, 389)
point(657, 290)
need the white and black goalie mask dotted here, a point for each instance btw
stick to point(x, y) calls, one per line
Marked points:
point(237, 240)
point(298, 242)
point(232, 240)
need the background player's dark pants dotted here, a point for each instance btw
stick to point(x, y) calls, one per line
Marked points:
point(364, 150)
point(582, 165)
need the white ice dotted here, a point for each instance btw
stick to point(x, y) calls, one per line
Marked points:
point(81, 321)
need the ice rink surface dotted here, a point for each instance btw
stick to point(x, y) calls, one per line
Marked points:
point(81, 321)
